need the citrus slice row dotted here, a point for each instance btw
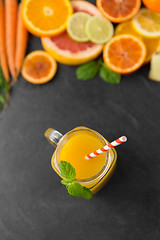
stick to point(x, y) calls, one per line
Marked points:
point(38, 67)
point(46, 18)
point(124, 53)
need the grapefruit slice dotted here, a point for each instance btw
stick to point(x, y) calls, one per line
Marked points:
point(38, 67)
point(67, 51)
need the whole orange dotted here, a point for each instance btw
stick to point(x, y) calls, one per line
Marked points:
point(153, 5)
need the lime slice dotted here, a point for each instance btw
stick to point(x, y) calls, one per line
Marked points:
point(76, 26)
point(99, 30)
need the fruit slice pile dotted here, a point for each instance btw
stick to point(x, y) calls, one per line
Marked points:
point(67, 51)
point(74, 32)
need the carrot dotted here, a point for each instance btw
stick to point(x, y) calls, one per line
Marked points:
point(11, 25)
point(21, 41)
point(3, 56)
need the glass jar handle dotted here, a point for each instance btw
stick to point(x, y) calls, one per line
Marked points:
point(53, 136)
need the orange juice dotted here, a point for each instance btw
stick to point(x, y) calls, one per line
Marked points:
point(74, 146)
point(75, 150)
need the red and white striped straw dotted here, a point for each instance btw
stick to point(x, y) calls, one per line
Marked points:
point(107, 147)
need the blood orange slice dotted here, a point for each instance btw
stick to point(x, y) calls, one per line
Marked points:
point(124, 53)
point(38, 67)
point(118, 10)
point(67, 51)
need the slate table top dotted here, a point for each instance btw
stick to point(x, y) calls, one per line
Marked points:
point(33, 203)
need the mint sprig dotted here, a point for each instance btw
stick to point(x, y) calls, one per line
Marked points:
point(91, 69)
point(74, 188)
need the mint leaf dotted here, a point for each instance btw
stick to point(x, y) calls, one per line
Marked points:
point(77, 190)
point(5, 87)
point(2, 99)
point(108, 76)
point(86, 193)
point(2, 78)
point(65, 182)
point(67, 171)
point(3, 84)
point(88, 70)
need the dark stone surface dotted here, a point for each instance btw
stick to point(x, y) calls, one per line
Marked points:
point(33, 203)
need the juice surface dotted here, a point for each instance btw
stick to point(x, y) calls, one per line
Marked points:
point(75, 150)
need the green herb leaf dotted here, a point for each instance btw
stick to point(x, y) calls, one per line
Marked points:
point(65, 182)
point(3, 84)
point(88, 70)
point(2, 99)
point(5, 87)
point(108, 76)
point(76, 189)
point(67, 171)
point(86, 193)
point(2, 78)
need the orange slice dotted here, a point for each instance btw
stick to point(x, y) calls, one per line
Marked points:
point(124, 53)
point(118, 10)
point(152, 45)
point(39, 67)
point(152, 5)
point(46, 18)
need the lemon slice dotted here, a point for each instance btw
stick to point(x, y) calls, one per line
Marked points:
point(76, 26)
point(99, 30)
point(147, 23)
